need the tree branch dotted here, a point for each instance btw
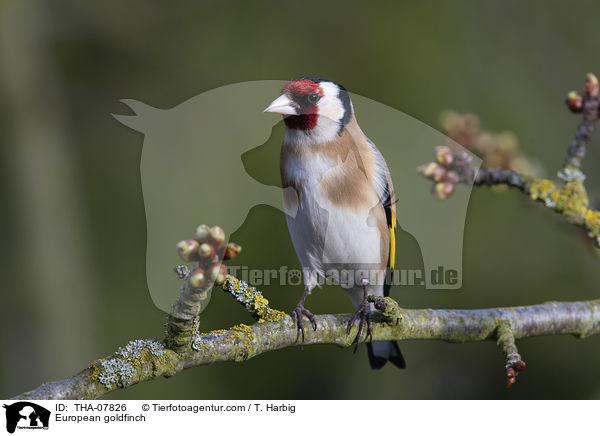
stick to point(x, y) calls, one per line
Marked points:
point(144, 360)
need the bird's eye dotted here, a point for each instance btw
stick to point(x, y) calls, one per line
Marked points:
point(313, 97)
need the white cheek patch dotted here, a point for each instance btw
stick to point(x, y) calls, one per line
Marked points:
point(331, 112)
point(330, 106)
point(326, 130)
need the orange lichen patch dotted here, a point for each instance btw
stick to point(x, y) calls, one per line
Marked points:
point(252, 300)
point(214, 331)
point(242, 328)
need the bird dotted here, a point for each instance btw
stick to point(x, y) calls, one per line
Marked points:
point(339, 203)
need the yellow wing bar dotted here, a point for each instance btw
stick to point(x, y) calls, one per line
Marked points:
point(392, 228)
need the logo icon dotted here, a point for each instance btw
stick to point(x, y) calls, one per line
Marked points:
point(26, 415)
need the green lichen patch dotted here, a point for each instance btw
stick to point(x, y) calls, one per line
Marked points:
point(139, 347)
point(113, 373)
point(120, 369)
point(389, 309)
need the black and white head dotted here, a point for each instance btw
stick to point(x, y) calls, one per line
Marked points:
point(315, 110)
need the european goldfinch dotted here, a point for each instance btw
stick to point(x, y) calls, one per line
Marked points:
point(339, 202)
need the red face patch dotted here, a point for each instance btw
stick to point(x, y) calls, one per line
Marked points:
point(301, 87)
point(310, 113)
point(301, 122)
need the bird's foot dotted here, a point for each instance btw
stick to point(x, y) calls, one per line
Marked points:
point(298, 315)
point(365, 315)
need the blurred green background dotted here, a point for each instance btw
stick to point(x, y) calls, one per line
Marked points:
point(73, 227)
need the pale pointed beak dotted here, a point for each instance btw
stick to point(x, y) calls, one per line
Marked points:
point(282, 105)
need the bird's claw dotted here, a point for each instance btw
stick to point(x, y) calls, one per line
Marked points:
point(298, 315)
point(365, 315)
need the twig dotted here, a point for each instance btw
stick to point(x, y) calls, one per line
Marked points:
point(141, 361)
point(568, 198)
point(506, 343)
point(207, 250)
point(588, 105)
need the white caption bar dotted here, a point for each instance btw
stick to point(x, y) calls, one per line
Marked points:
point(260, 417)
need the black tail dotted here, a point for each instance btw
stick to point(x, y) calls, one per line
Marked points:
point(381, 352)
